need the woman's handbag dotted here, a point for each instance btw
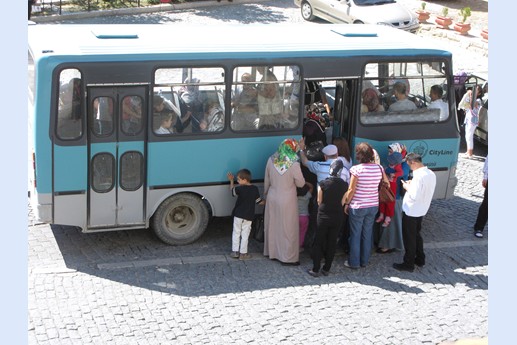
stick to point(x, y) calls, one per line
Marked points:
point(385, 192)
point(257, 228)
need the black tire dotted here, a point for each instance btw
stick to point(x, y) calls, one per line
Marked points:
point(180, 219)
point(307, 12)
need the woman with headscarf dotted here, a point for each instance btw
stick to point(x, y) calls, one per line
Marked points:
point(331, 198)
point(371, 103)
point(390, 238)
point(281, 228)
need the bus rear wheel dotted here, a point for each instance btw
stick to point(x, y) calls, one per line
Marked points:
point(180, 219)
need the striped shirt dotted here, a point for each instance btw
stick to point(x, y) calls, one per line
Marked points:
point(367, 189)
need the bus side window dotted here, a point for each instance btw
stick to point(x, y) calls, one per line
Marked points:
point(102, 116)
point(131, 114)
point(70, 105)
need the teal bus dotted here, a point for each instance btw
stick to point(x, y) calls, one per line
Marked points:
point(136, 126)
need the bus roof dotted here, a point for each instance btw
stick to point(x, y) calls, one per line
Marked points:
point(154, 41)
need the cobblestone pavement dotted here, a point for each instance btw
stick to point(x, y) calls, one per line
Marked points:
point(127, 287)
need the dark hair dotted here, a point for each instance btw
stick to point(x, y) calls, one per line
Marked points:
point(364, 153)
point(244, 174)
point(165, 117)
point(400, 87)
point(343, 149)
point(437, 90)
point(413, 157)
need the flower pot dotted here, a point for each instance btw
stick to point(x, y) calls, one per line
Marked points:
point(462, 28)
point(443, 22)
point(484, 34)
point(423, 16)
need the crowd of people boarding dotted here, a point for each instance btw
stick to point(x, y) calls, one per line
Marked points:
point(316, 205)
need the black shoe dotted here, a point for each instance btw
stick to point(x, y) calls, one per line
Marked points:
point(312, 273)
point(420, 264)
point(325, 273)
point(403, 267)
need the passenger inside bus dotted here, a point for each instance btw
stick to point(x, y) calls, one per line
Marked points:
point(245, 105)
point(402, 103)
point(270, 103)
point(166, 124)
point(437, 102)
point(214, 119)
point(163, 106)
point(191, 104)
point(370, 101)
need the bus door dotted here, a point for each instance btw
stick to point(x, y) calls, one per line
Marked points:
point(117, 119)
point(344, 107)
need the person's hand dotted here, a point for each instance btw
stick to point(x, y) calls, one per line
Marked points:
point(484, 183)
point(346, 208)
point(301, 144)
point(230, 176)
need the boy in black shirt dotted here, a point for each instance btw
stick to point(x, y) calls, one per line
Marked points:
point(243, 213)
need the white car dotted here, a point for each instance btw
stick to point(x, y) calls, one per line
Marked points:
point(382, 12)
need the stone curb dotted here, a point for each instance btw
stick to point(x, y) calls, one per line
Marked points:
point(138, 10)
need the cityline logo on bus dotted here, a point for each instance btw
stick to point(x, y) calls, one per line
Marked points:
point(422, 149)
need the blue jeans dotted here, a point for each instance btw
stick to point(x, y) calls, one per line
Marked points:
point(361, 235)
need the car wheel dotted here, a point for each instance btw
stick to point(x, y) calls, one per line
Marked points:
point(358, 22)
point(307, 12)
point(180, 219)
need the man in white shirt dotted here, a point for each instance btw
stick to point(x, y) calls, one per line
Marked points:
point(437, 102)
point(416, 202)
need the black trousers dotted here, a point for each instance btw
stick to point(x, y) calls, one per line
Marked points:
point(413, 242)
point(325, 242)
point(482, 217)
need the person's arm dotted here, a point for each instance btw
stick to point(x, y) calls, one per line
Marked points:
point(349, 195)
point(320, 195)
point(231, 179)
point(303, 157)
point(398, 170)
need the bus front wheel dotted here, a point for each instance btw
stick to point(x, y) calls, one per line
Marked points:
point(180, 219)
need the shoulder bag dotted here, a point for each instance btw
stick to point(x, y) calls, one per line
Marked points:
point(385, 192)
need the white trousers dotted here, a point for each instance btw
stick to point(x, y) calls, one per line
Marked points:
point(240, 235)
point(469, 135)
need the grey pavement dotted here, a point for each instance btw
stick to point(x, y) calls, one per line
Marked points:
point(127, 287)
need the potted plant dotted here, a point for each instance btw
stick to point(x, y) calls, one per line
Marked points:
point(444, 21)
point(462, 27)
point(423, 15)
